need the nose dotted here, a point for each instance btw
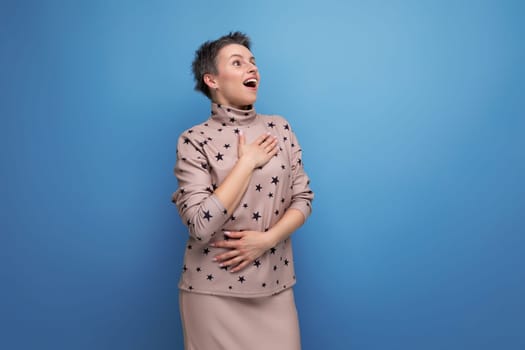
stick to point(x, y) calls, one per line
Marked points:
point(252, 68)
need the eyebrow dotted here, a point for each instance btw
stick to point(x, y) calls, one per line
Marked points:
point(252, 58)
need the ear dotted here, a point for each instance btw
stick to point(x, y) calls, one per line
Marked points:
point(209, 79)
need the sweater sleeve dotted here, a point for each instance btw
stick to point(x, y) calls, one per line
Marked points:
point(199, 208)
point(302, 195)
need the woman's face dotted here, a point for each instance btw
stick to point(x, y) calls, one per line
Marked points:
point(237, 80)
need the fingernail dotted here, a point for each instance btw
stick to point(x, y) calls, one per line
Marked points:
point(212, 244)
point(227, 233)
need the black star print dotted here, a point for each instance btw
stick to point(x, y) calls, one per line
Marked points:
point(256, 216)
point(205, 251)
point(270, 195)
point(272, 250)
point(204, 165)
point(271, 124)
point(186, 140)
point(230, 287)
point(236, 131)
point(190, 287)
point(198, 269)
point(286, 262)
point(232, 218)
point(277, 212)
point(285, 138)
point(275, 180)
point(209, 277)
point(257, 263)
point(209, 190)
point(286, 127)
point(190, 131)
point(245, 205)
point(224, 268)
point(232, 120)
point(258, 187)
point(274, 267)
point(219, 156)
point(207, 215)
point(185, 268)
point(227, 145)
point(205, 124)
point(241, 279)
point(189, 247)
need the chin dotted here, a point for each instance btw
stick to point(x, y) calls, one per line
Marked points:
point(246, 103)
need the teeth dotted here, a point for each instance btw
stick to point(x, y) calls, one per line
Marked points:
point(253, 80)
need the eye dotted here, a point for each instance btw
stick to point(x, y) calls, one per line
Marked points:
point(236, 63)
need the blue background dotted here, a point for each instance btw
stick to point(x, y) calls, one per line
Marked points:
point(411, 115)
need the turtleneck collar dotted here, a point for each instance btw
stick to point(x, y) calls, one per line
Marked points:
point(232, 116)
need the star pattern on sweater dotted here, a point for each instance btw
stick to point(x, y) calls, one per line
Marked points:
point(207, 215)
point(212, 146)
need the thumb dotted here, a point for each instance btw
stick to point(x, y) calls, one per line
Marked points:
point(242, 138)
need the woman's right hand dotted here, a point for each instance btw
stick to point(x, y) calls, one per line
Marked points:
point(260, 151)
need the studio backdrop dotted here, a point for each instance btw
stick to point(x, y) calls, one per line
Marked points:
point(411, 118)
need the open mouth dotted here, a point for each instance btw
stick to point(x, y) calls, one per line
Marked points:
point(252, 83)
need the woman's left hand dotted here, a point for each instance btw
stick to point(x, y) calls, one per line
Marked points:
point(244, 247)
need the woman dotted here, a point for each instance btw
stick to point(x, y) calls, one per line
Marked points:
point(242, 193)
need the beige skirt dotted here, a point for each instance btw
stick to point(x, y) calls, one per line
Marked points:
point(228, 323)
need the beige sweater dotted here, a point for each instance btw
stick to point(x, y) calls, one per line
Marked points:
point(205, 155)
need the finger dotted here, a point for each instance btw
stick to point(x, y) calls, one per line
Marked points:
point(273, 152)
point(271, 145)
point(268, 140)
point(240, 266)
point(234, 261)
point(233, 234)
point(225, 256)
point(242, 138)
point(262, 138)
